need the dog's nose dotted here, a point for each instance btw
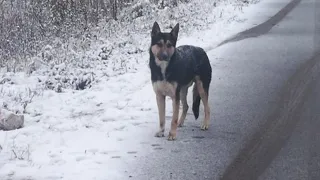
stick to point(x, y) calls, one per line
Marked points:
point(164, 56)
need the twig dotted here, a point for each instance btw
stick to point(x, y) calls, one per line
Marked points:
point(14, 153)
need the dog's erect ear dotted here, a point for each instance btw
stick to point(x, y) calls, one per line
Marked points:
point(155, 29)
point(175, 31)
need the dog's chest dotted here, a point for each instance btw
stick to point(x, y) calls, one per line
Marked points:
point(163, 66)
point(165, 88)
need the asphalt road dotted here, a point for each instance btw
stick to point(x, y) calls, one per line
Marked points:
point(299, 158)
point(264, 99)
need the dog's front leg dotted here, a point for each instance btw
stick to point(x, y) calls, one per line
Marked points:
point(175, 116)
point(161, 110)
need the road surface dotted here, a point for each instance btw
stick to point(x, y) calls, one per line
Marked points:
point(265, 98)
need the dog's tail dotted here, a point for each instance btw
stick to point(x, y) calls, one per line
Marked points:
point(196, 102)
point(204, 71)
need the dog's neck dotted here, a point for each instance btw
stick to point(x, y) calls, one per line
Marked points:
point(163, 66)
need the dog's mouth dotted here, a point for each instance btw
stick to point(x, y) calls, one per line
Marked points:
point(161, 59)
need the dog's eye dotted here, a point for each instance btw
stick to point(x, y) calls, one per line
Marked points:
point(169, 45)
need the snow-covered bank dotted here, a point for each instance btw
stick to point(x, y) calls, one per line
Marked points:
point(95, 132)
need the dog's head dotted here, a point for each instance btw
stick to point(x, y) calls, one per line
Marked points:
point(163, 44)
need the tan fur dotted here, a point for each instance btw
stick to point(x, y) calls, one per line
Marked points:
point(174, 121)
point(165, 47)
point(165, 88)
point(204, 98)
point(161, 109)
point(185, 107)
point(156, 50)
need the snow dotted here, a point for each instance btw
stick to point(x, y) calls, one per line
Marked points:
point(95, 132)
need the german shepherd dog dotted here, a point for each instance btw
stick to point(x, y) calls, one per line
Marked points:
point(173, 71)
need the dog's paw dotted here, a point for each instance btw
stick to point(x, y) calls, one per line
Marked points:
point(204, 127)
point(172, 136)
point(159, 134)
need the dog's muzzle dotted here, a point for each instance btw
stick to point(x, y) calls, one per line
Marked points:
point(164, 57)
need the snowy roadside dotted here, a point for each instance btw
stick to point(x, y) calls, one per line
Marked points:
point(93, 133)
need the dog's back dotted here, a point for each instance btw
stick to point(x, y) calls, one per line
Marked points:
point(186, 63)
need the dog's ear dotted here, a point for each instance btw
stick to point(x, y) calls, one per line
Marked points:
point(155, 29)
point(174, 32)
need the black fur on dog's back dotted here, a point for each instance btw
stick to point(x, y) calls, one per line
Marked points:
point(186, 63)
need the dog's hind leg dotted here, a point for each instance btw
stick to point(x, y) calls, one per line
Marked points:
point(161, 110)
point(203, 92)
point(196, 101)
point(185, 107)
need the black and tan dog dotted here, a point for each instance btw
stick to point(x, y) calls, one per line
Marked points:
point(173, 71)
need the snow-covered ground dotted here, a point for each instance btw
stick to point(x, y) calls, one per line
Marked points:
point(95, 132)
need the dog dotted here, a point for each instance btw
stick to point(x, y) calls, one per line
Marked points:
point(173, 71)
